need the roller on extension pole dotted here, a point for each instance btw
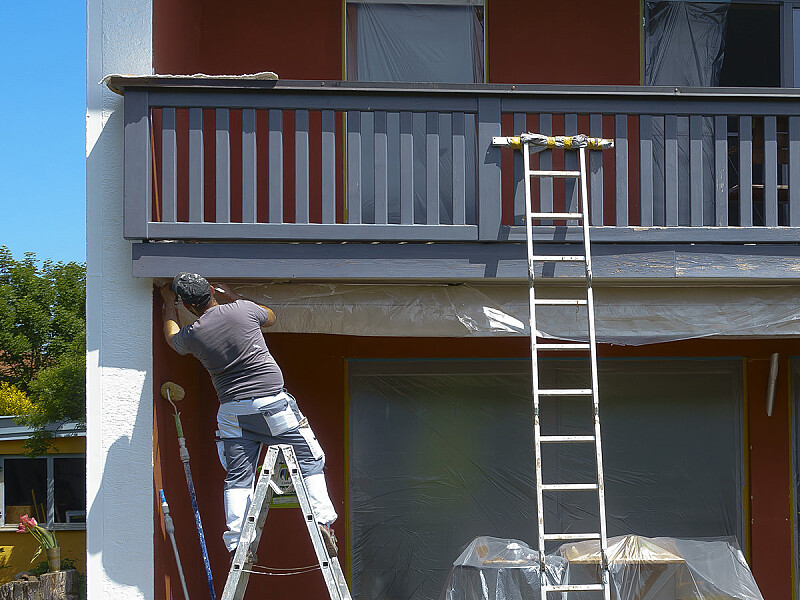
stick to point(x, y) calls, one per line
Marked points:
point(172, 392)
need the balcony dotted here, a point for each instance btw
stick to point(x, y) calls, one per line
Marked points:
point(247, 162)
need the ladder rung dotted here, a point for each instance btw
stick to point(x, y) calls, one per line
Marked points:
point(575, 487)
point(543, 258)
point(585, 587)
point(571, 536)
point(554, 215)
point(554, 174)
point(565, 438)
point(560, 302)
point(563, 346)
point(566, 392)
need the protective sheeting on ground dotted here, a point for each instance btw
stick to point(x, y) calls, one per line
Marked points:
point(624, 315)
point(641, 568)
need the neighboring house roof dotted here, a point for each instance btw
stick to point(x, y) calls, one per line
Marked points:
point(11, 430)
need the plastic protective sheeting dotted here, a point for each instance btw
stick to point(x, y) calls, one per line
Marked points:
point(496, 569)
point(665, 568)
point(442, 451)
point(624, 315)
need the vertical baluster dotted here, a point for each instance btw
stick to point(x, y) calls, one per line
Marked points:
point(353, 166)
point(621, 169)
point(489, 179)
point(459, 169)
point(275, 166)
point(721, 170)
point(571, 164)
point(646, 170)
point(196, 165)
point(746, 171)
point(138, 164)
point(770, 172)
point(381, 169)
point(432, 168)
point(671, 170)
point(301, 177)
point(546, 164)
point(696, 171)
point(249, 167)
point(169, 166)
point(596, 173)
point(223, 166)
point(328, 167)
point(794, 171)
point(520, 126)
point(406, 168)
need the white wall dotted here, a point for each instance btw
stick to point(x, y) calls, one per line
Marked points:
point(119, 323)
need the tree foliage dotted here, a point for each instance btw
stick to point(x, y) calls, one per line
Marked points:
point(14, 401)
point(42, 339)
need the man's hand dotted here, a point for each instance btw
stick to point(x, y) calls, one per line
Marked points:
point(169, 315)
point(167, 294)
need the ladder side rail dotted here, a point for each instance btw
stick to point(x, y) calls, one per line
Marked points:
point(595, 380)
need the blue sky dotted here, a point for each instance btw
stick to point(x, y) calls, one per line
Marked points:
point(42, 147)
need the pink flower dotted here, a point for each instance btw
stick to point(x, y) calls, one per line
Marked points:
point(29, 522)
point(22, 529)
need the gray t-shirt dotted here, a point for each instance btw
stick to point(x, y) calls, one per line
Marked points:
point(227, 339)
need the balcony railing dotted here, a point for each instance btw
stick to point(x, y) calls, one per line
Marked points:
point(222, 160)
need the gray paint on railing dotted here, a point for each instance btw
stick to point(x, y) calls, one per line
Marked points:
point(696, 171)
point(196, 166)
point(301, 167)
point(645, 170)
point(223, 165)
point(518, 171)
point(432, 168)
point(745, 171)
point(275, 142)
point(546, 164)
point(670, 170)
point(596, 172)
point(459, 169)
point(354, 167)
point(571, 164)
point(381, 168)
point(489, 177)
point(169, 166)
point(138, 161)
point(328, 176)
point(406, 169)
point(770, 171)
point(794, 171)
point(721, 170)
point(249, 167)
point(621, 169)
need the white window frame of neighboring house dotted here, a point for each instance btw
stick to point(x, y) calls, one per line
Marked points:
point(50, 484)
point(481, 3)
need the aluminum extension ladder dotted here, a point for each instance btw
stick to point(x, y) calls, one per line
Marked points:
point(527, 143)
point(266, 487)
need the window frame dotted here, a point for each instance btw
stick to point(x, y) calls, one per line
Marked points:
point(50, 486)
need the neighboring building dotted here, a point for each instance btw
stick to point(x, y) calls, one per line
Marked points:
point(378, 220)
point(50, 488)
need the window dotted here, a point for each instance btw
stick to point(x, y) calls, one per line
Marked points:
point(52, 489)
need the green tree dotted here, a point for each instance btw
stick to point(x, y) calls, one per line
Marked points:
point(42, 340)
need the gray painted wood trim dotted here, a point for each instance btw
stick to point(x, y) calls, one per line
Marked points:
point(301, 167)
point(354, 181)
point(696, 170)
point(406, 168)
point(794, 171)
point(596, 173)
point(621, 168)
point(721, 171)
point(545, 164)
point(770, 172)
point(196, 166)
point(222, 201)
point(169, 166)
point(571, 186)
point(138, 191)
point(746, 171)
point(459, 169)
point(464, 262)
point(673, 235)
point(671, 170)
point(518, 171)
point(646, 170)
point(381, 168)
point(328, 176)
point(432, 186)
point(249, 167)
point(275, 170)
point(489, 177)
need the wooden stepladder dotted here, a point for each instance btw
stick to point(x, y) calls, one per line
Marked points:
point(529, 143)
point(266, 487)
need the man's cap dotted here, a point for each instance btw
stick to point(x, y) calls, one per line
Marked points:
point(191, 288)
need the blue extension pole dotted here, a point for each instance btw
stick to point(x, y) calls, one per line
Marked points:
point(184, 454)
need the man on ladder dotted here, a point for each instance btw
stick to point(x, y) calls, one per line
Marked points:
point(255, 408)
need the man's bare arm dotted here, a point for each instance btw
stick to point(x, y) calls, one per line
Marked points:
point(226, 295)
point(169, 314)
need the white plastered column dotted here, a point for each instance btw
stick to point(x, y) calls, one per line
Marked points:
point(119, 323)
